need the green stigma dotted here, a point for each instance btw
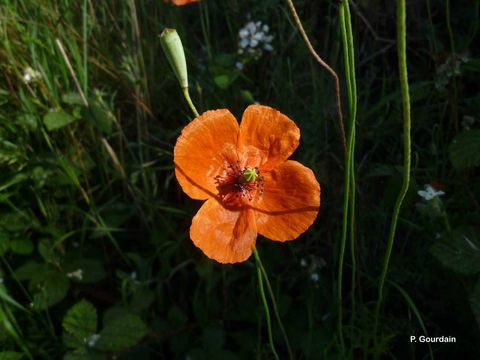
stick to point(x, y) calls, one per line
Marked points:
point(249, 175)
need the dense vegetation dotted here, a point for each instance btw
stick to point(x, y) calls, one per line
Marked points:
point(96, 259)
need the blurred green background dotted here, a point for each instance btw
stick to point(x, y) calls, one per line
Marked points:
point(96, 260)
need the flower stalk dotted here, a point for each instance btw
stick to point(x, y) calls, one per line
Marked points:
point(265, 303)
point(403, 74)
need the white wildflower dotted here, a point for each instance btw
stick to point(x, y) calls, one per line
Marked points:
point(77, 274)
point(429, 193)
point(314, 277)
point(1, 280)
point(133, 275)
point(303, 262)
point(30, 75)
point(92, 340)
point(253, 38)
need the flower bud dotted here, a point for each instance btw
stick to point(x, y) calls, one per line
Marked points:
point(172, 46)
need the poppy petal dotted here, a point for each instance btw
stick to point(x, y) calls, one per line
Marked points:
point(224, 235)
point(289, 203)
point(183, 2)
point(204, 148)
point(267, 137)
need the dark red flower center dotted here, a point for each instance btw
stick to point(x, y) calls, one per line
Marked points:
point(237, 184)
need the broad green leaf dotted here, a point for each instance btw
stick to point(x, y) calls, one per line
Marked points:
point(475, 301)
point(29, 270)
point(459, 252)
point(79, 324)
point(10, 355)
point(465, 149)
point(72, 98)
point(121, 332)
point(222, 81)
point(49, 288)
point(57, 119)
point(22, 246)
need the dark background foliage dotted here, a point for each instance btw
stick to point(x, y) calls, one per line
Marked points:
point(92, 188)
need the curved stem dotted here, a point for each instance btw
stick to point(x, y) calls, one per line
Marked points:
point(186, 94)
point(403, 73)
point(265, 303)
point(332, 72)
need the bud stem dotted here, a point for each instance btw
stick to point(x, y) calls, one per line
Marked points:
point(186, 94)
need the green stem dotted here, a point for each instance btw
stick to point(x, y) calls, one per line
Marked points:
point(275, 309)
point(265, 303)
point(186, 93)
point(403, 73)
point(349, 185)
point(351, 151)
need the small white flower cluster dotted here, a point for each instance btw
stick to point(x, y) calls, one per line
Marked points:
point(253, 39)
point(30, 75)
point(430, 193)
point(91, 341)
point(77, 275)
point(1, 280)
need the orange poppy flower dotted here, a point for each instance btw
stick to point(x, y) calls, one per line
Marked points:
point(182, 2)
point(250, 186)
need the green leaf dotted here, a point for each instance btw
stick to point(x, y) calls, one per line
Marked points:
point(475, 301)
point(47, 251)
point(49, 287)
point(465, 149)
point(223, 81)
point(22, 246)
point(29, 270)
point(102, 116)
point(10, 355)
point(142, 299)
point(57, 119)
point(72, 98)
point(459, 252)
point(79, 324)
point(121, 332)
